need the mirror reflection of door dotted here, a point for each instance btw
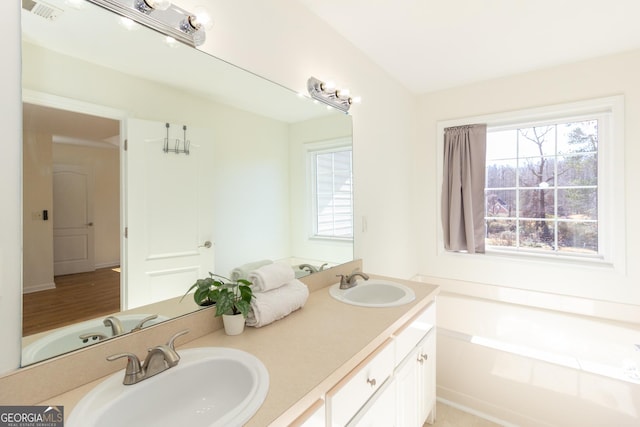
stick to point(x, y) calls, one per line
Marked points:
point(170, 210)
point(73, 242)
point(71, 170)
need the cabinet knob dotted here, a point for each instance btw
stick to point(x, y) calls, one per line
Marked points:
point(371, 382)
point(422, 358)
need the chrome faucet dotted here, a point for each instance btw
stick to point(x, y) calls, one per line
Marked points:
point(159, 358)
point(349, 281)
point(115, 324)
point(143, 321)
point(312, 268)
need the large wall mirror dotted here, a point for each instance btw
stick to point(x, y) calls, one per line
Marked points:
point(148, 164)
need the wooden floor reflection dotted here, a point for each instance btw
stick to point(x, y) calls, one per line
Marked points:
point(77, 297)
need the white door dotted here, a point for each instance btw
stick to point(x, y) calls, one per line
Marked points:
point(169, 212)
point(73, 246)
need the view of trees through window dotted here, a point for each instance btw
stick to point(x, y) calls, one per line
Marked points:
point(542, 188)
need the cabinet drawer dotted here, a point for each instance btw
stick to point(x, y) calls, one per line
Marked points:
point(407, 337)
point(350, 394)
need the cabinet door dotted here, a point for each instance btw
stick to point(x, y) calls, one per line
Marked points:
point(353, 391)
point(408, 336)
point(407, 395)
point(426, 357)
point(380, 410)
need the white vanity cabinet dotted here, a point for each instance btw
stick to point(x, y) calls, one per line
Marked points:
point(426, 358)
point(415, 385)
point(346, 399)
point(415, 374)
point(395, 385)
point(380, 410)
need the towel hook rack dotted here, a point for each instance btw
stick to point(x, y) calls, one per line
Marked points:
point(180, 145)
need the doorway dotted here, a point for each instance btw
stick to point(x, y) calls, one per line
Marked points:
point(71, 197)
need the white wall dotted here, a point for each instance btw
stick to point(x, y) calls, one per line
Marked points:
point(10, 188)
point(282, 41)
point(37, 236)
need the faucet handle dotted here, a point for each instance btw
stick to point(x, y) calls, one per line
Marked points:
point(172, 340)
point(143, 321)
point(343, 279)
point(133, 363)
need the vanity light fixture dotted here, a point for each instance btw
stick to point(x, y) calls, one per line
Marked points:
point(161, 16)
point(148, 6)
point(327, 93)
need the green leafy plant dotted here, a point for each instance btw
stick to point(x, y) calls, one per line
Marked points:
point(228, 296)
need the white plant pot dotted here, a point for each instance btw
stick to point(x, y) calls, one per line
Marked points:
point(233, 323)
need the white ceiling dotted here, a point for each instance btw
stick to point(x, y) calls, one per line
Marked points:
point(429, 45)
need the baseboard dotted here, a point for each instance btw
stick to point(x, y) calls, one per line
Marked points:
point(38, 288)
point(108, 264)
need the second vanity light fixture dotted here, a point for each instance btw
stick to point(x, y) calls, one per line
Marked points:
point(327, 93)
point(161, 16)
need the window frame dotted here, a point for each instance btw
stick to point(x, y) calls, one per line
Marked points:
point(611, 217)
point(324, 147)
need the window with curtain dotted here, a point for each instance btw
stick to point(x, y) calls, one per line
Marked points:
point(553, 182)
point(332, 190)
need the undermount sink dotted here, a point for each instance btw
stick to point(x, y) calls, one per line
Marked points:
point(210, 386)
point(374, 293)
point(67, 338)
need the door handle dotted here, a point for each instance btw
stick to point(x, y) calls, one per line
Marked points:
point(89, 224)
point(206, 244)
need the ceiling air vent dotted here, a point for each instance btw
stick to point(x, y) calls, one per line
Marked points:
point(41, 9)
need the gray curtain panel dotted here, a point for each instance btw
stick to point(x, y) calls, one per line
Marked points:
point(463, 188)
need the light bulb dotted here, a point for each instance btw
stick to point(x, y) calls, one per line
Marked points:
point(356, 100)
point(343, 93)
point(159, 4)
point(203, 17)
point(329, 86)
point(148, 6)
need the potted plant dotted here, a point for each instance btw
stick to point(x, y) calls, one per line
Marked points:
point(232, 299)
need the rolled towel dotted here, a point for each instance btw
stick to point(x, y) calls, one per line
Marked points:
point(243, 271)
point(267, 307)
point(271, 276)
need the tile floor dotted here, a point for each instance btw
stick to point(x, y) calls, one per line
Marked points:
point(448, 416)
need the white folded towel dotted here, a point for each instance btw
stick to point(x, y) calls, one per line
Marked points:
point(243, 271)
point(271, 276)
point(267, 307)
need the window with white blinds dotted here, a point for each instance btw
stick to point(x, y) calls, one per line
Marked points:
point(332, 191)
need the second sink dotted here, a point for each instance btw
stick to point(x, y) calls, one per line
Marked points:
point(374, 293)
